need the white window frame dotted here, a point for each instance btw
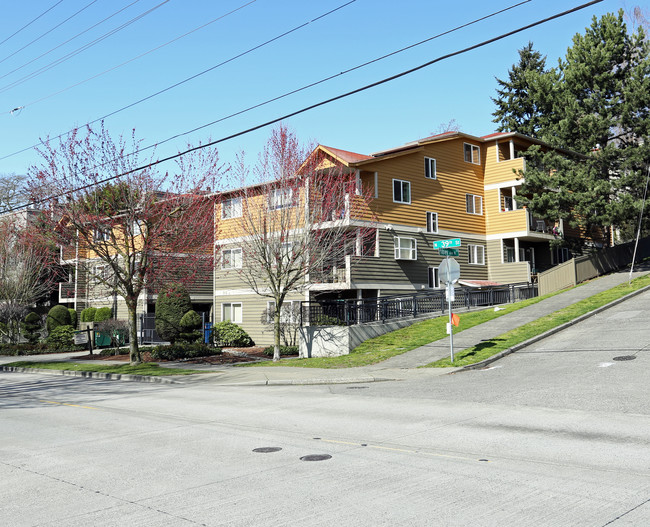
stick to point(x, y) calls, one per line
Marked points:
point(401, 190)
point(102, 234)
point(231, 208)
point(472, 153)
point(136, 228)
point(287, 307)
point(430, 168)
point(473, 204)
point(475, 254)
point(233, 262)
point(399, 249)
point(280, 198)
point(433, 277)
point(233, 319)
point(432, 225)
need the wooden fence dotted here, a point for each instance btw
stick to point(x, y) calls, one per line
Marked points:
point(590, 266)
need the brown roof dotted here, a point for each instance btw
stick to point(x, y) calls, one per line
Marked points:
point(345, 155)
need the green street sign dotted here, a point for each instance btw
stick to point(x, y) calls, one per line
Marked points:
point(444, 244)
point(448, 252)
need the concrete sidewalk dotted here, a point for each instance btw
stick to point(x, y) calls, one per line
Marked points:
point(396, 368)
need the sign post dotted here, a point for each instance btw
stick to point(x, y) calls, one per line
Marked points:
point(450, 273)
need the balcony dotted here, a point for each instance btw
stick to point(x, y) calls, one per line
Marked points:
point(540, 226)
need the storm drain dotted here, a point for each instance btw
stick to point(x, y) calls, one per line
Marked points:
point(624, 357)
point(357, 387)
point(267, 449)
point(316, 457)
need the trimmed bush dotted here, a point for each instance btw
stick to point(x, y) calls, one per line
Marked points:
point(230, 334)
point(284, 351)
point(183, 350)
point(31, 327)
point(88, 314)
point(56, 317)
point(73, 317)
point(191, 325)
point(171, 305)
point(24, 348)
point(103, 313)
point(61, 338)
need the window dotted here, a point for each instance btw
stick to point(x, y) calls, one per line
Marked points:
point(231, 311)
point(405, 248)
point(429, 168)
point(290, 311)
point(474, 204)
point(286, 253)
point(231, 259)
point(434, 278)
point(476, 254)
point(231, 208)
point(401, 191)
point(136, 228)
point(508, 203)
point(472, 153)
point(102, 234)
point(281, 198)
point(432, 222)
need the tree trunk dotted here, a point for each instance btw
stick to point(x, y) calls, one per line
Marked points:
point(134, 350)
point(276, 335)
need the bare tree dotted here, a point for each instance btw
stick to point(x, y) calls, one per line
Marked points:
point(300, 221)
point(12, 191)
point(129, 228)
point(28, 268)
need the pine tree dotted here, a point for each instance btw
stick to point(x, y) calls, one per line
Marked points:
point(596, 103)
point(520, 100)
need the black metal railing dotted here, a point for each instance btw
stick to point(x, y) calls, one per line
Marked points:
point(349, 312)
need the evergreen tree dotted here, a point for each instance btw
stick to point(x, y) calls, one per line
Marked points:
point(171, 305)
point(521, 100)
point(596, 104)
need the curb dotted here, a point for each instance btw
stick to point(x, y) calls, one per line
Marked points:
point(92, 375)
point(550, 332)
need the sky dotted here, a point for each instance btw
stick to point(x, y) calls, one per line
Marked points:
point(57, 82)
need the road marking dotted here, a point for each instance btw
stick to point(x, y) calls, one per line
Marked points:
point(403, 450)
point(69, 404)
point(605, 364)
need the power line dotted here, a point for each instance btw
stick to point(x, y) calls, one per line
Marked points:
point(250, 50)
point(297, 90)
point(69, 40)
point(30, 23)
point(48, 31)
point(80, 49)
point(138, 56)
point(315, 105)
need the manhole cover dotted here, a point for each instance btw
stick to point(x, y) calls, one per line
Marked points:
point(625, 357)
point(316, 457)
point(267, 449)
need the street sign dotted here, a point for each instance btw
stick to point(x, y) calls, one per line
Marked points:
point(449, 270)
point(444, 244)
point(448, 252)
point(81, 338)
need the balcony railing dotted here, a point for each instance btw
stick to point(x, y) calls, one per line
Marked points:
point(542, 226)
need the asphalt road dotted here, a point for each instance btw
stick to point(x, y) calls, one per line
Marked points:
point(555, 435)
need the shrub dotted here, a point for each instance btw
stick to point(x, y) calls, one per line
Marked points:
point(230, 334)
point(183, 350)
point(56, 317)
point(171, 305)
point(32, 327)
point(284, 350)
point(73, 317)
point(103, 313)
point(191, 325)
point(61, 338)
point(88, 314)
point(24, 349)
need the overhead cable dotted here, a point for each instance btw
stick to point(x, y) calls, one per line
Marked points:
point(313, 106)
point(31, 22)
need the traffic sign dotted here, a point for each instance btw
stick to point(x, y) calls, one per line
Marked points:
point(448, 252)
point(443, 244)
point(449, 270)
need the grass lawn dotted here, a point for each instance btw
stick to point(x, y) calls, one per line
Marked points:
point(384, 347)
point(149, 368)
point(491, 347)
